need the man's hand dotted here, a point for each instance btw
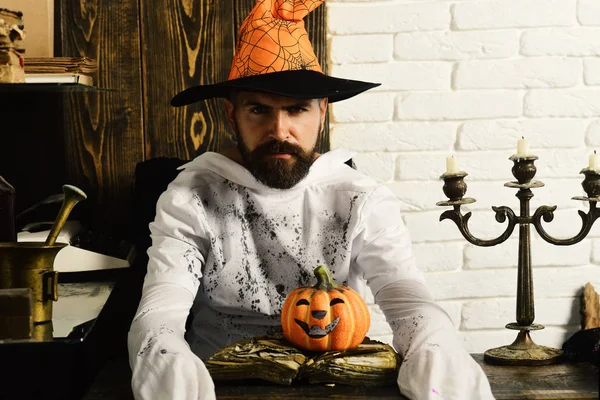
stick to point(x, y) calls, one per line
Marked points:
point(435, 364)
point(170, 370)
point(443, 374)
point(162, 363)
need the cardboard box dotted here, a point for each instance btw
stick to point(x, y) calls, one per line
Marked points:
point(38, 18)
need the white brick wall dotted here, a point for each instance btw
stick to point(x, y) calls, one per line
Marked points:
point(470, 78)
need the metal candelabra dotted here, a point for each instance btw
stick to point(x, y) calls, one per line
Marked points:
point(523, 351)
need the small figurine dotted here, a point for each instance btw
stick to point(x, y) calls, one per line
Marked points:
point(12, 65)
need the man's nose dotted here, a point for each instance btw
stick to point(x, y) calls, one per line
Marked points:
point(280, 129)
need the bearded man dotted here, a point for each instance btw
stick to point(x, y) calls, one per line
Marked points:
point(236, 231)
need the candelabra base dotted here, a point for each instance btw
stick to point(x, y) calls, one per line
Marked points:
point(523, 351)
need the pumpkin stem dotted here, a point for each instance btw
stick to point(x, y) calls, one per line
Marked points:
point(324, 279)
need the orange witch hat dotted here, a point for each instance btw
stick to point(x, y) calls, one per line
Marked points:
point(274, 55)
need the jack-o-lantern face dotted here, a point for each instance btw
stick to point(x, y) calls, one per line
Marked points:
point(326, 316)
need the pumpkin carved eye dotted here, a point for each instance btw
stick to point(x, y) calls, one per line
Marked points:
point(302, 302)
point(336, 301)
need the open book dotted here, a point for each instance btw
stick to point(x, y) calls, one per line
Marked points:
point(275, 360)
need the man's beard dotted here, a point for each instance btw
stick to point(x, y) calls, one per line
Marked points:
point(278, 173)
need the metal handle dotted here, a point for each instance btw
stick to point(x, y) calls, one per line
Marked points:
point(51, 285)
point(72, 196)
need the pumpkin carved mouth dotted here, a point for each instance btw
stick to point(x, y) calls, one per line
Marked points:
point(315, 331)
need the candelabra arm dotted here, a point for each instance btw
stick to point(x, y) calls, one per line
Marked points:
point(462, 222)
point(547, 213)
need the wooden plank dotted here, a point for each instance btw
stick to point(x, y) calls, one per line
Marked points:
point(256, 391)
point(103, 130)
point(241, 10)
point(114, 382)
point(561, 381)
point(187, 43)
point(316, 26)
point(558, 381)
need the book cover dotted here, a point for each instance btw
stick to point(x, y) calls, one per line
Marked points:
point(59, 78)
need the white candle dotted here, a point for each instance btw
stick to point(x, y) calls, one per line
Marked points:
point(451, 165)
point(593, 164)
point(522, 147)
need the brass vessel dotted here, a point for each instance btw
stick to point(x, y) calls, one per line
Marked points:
point(31, 265)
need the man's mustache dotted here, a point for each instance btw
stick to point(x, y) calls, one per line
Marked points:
point(274, 147)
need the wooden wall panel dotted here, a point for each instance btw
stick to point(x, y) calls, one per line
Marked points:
point(316, 26)
point(187, 43)
point(201, 38)
point(104, 130)
point(184, 43)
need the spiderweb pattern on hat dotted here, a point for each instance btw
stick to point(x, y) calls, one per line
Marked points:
point(273, 38)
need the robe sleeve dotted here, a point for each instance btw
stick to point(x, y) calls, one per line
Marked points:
point(435, 364)
point(162, 363)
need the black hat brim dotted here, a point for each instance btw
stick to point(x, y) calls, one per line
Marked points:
point(300, 84)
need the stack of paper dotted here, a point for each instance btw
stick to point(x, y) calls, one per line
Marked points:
point(58, 65)
point(60, 70)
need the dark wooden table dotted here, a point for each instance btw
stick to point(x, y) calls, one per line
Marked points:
point(561, 381)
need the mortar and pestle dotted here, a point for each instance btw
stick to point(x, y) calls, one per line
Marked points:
point(31, 265)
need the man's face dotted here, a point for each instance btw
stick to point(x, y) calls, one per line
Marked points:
point(276, 135)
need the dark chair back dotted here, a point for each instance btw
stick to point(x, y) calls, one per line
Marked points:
point(151, 179)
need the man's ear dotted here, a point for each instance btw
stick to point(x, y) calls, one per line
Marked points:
point(323, 109)
point(230, 111)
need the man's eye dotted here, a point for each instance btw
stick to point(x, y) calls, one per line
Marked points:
point(296, 110)
point(258, 110)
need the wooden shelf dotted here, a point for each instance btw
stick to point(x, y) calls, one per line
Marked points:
point(49, 88)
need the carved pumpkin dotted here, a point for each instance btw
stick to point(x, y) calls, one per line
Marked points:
point(325, 316)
